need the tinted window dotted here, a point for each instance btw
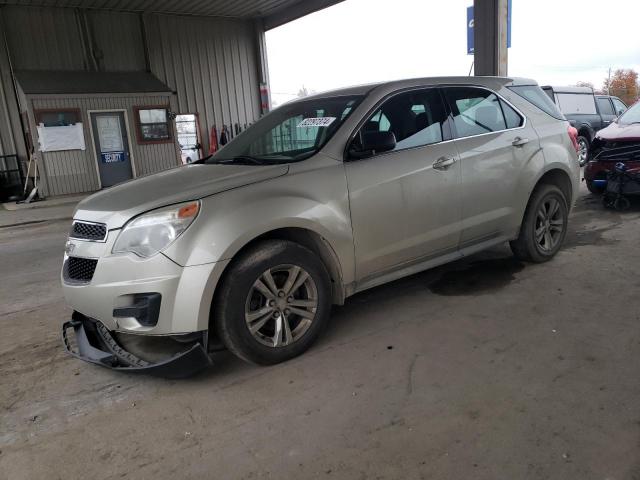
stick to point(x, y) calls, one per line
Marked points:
point(475, 111)
point(576, 103)
point(620, 107)
point(513, 118)
point(605, 106)
point(416, 118)
point(536, 96)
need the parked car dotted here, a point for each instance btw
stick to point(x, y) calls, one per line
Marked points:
point(619, 142)
point(586, 111)
point(322, 198)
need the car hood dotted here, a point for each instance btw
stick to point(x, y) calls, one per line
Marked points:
point(116, 205)
point(620, 132)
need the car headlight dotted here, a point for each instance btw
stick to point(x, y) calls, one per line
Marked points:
point(154, 231)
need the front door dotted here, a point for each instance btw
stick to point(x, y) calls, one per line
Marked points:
point(112, 147)
point(405, 204)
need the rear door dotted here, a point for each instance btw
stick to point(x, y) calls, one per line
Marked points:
point(606, 109)
point(494, 143)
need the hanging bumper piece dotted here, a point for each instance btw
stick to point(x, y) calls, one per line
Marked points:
point(95, 344)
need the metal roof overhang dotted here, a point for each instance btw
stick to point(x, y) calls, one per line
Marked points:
point(273, 13)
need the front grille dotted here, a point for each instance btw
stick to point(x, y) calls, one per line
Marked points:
point(88, 231)
point(78, 269)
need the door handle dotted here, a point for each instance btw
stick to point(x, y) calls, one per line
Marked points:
point(519, 141)
point(443, 163)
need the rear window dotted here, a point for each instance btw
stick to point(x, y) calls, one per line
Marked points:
point(536, 96)
point(576, 103)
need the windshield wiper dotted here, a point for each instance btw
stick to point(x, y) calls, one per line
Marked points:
point(240, 160)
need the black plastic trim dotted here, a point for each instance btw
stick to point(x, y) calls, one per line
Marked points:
point(97, 345)
point(146, 309)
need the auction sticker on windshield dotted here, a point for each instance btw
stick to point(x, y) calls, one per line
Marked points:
point(316, 122)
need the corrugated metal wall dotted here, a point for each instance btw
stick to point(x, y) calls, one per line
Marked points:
point(75, 171)
point(118, 39)
point(211, 63)
point(44, 38)
point(11, 136)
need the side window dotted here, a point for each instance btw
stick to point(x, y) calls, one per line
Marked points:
point(416, 118)
point(475, 111)
point(513, 118)
point(605, 106)
point(620, 107)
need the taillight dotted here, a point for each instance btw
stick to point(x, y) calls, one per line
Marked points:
point(573, 135)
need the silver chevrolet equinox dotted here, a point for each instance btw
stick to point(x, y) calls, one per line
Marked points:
point(322, 198)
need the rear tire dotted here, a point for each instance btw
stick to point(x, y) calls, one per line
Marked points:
point(544, 226)
point(274, 302)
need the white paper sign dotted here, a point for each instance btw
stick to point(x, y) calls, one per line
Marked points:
point(316, 122)
point(55, 139)
point(109, 133)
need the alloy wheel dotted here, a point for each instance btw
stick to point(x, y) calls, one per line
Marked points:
point(583, 151)
point(281, 305)
point(550, 224)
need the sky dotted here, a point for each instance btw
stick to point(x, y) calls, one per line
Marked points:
point(558, 42)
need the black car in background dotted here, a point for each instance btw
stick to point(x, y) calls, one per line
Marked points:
point(586, 111)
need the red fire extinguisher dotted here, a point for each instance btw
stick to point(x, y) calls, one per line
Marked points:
point(213, 141)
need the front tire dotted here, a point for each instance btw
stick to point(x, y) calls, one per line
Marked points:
point(544, 226)
point(583, 150)
point(273, 303)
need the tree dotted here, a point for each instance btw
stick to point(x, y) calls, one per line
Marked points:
point(623, 84)
point(584, 84)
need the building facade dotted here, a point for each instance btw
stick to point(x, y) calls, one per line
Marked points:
point(101, 92)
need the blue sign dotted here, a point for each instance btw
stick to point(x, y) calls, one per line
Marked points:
point(470, 25)
point(113, 157)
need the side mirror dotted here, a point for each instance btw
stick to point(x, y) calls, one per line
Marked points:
point(372, 143)
point(620, 112)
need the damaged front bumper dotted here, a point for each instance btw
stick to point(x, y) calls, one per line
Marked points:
point(95, 344)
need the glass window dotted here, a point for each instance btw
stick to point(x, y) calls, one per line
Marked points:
point(416, 118)
point(620, 107)
point(536, 96)
point(513, 118)
point(632, 115)
point(57, 118)
point(475, 111)
point(290, 133)
point(605, 106)
point(153, 124)
point(576, 103)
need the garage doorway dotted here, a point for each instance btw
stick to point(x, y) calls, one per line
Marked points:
point(111, 141)
point(188, 136)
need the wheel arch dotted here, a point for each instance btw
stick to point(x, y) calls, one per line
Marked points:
point(561, 179)
point(302, 236)
point(585, 130)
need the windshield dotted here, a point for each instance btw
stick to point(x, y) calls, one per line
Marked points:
point(290, 133)
point(630, 116)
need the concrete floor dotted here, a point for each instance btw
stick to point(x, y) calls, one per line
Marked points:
point(484, 369)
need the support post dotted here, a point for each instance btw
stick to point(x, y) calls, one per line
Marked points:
point(490, 37)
